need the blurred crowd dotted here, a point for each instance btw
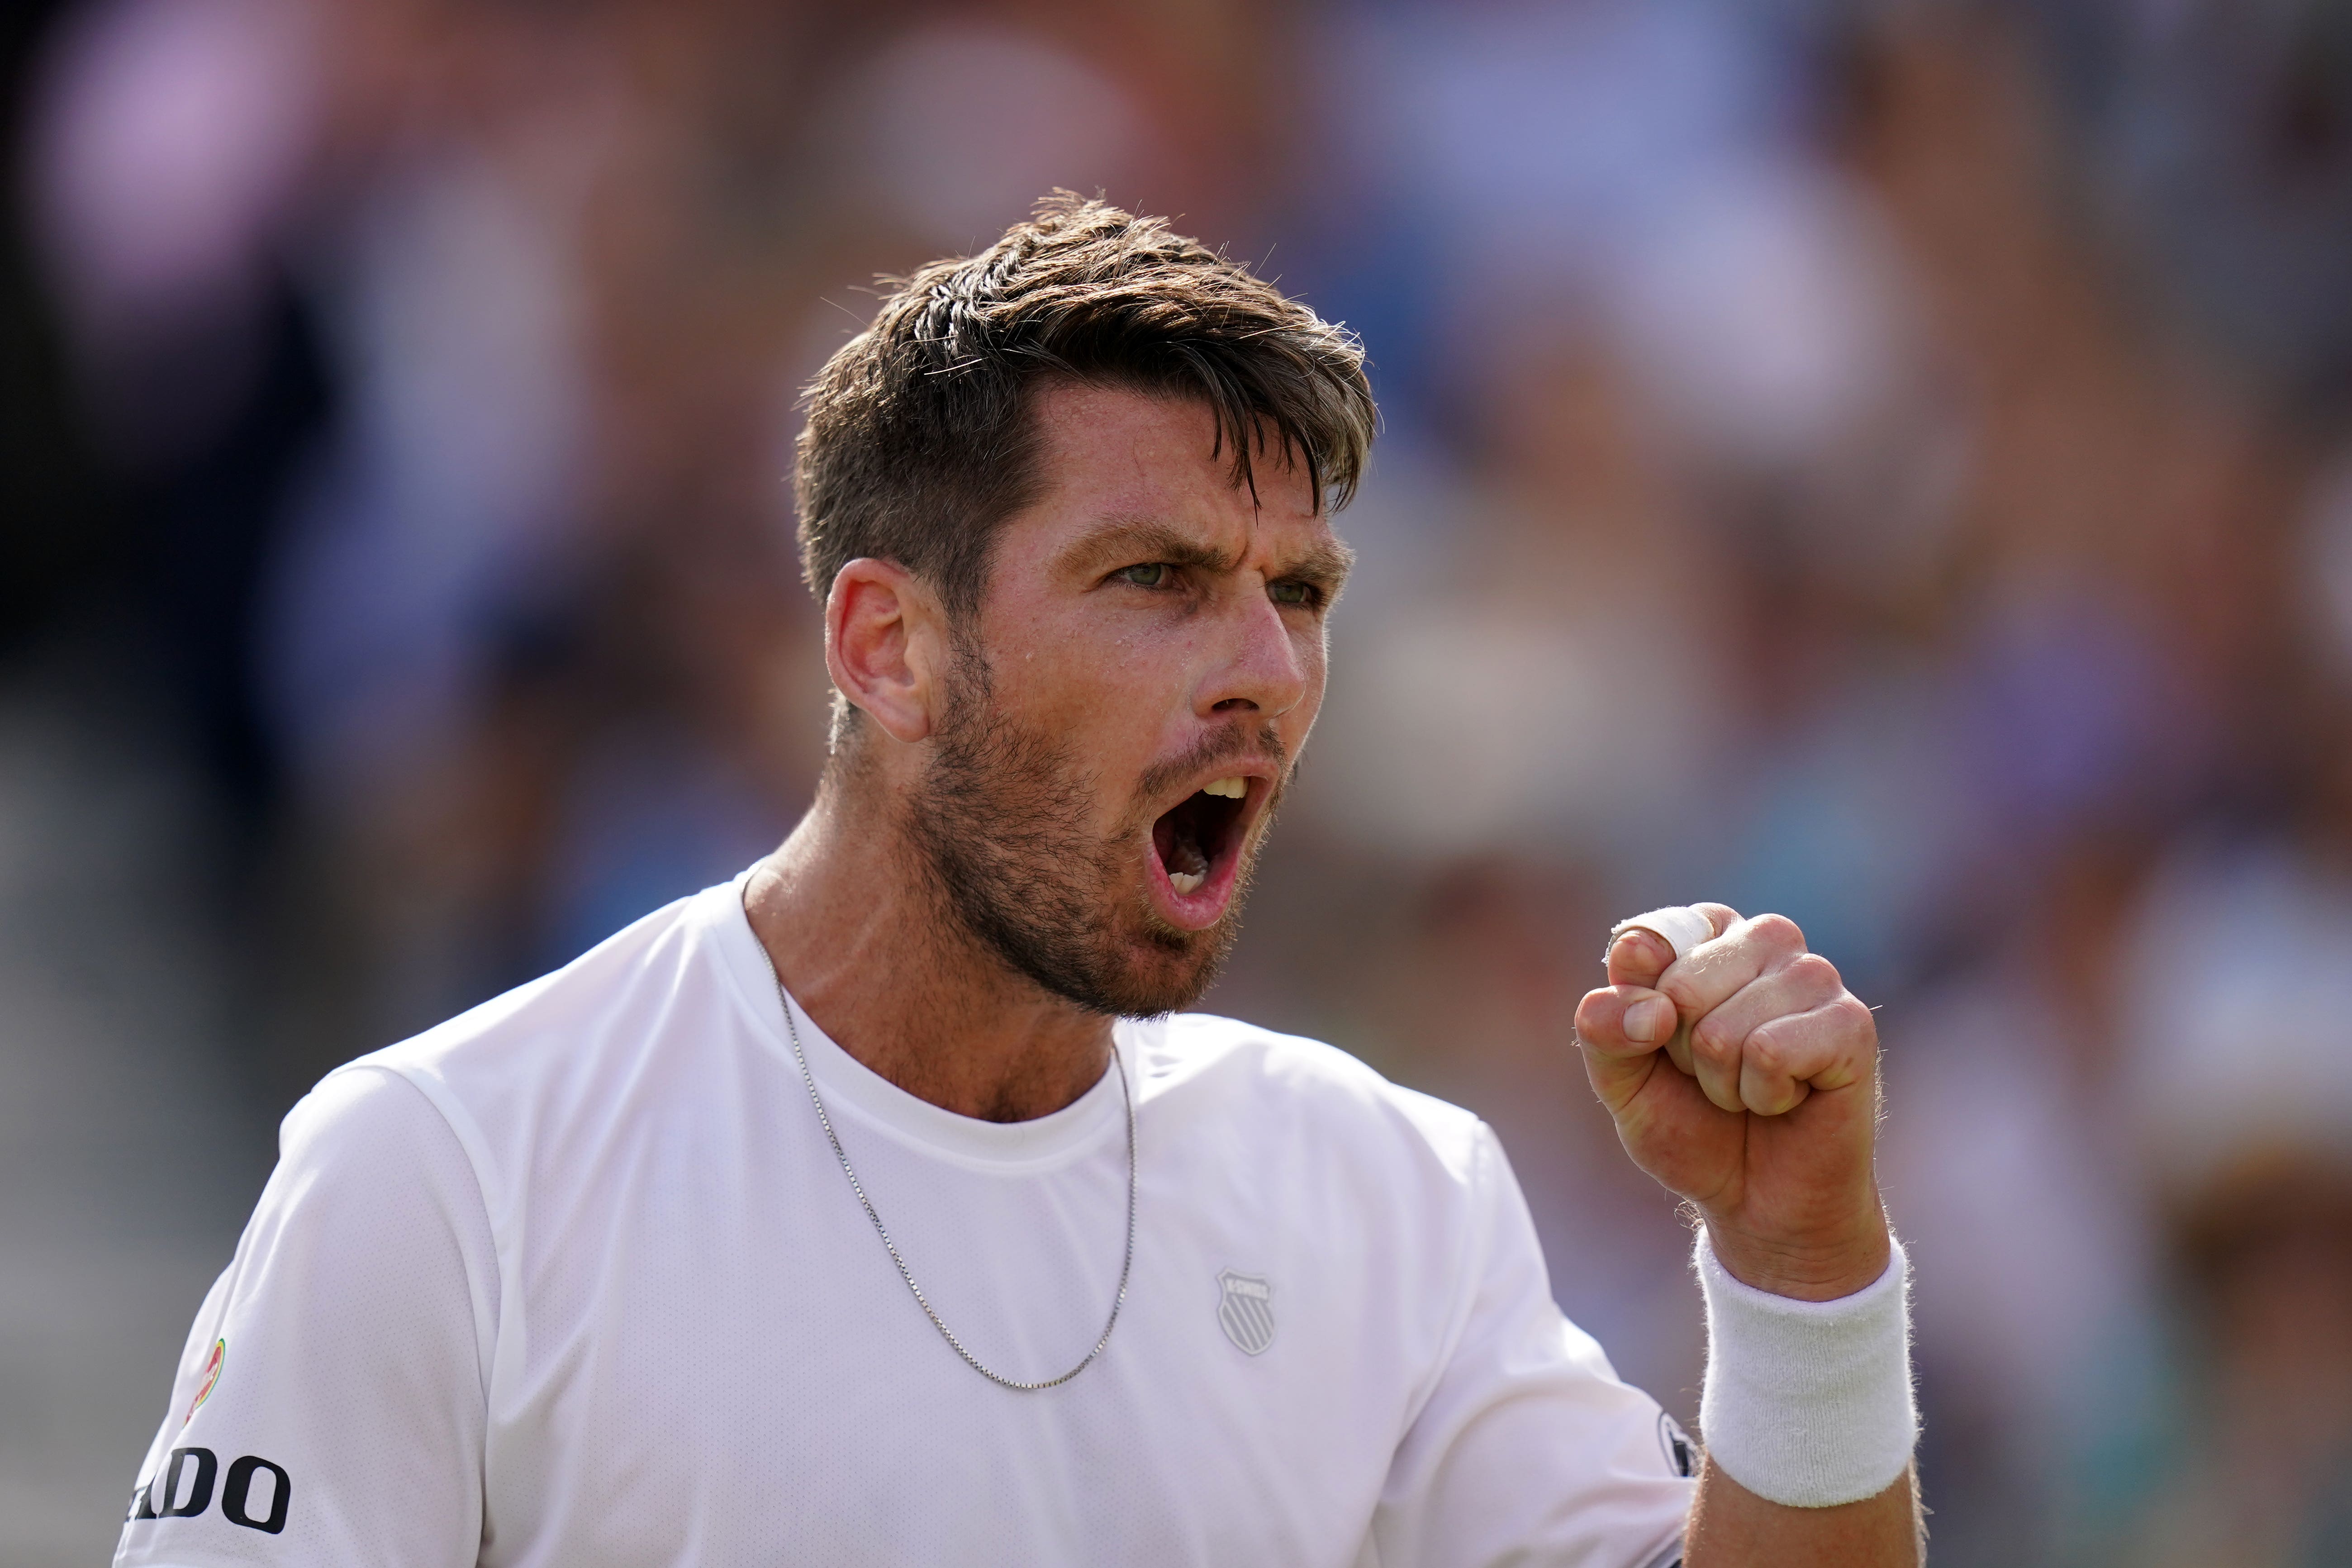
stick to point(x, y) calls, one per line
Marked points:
point(1887, 463)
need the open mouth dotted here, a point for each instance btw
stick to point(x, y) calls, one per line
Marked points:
point(1198, 838)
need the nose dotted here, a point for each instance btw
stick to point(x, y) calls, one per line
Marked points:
point(1264, 667)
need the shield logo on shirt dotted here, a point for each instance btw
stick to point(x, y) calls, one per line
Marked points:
point(1245, 1312)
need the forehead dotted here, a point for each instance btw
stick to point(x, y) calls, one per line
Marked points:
point(1113, 452)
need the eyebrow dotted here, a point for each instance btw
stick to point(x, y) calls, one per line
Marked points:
point(1324, 564)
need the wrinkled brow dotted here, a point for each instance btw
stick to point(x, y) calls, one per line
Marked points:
point(1122, 541)
point(1326, 564)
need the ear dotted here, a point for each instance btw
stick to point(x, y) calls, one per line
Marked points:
point(886, 646)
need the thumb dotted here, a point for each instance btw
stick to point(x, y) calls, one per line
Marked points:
point(1619, 1029)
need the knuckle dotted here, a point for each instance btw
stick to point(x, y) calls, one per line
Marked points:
point(1815, 972)
point(1776, 932)
point(1857, 1017)
point(1714, 1040)
point(1722, 917)
point(1766, 1053)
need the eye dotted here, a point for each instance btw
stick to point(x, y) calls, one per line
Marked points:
point(1150, 574)
point(1290, 591)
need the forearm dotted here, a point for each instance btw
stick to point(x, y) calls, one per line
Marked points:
point(1731, 1527)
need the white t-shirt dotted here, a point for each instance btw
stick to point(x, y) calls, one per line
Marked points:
point(575, 1280)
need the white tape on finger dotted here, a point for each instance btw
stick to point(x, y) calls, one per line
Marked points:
point(1683, 928)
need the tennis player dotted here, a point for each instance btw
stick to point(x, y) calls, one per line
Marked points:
point(884, 1206)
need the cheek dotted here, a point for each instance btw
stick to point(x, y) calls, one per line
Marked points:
point(1128, 680)
point(1117, 660)
point(1112, 699)
point(1316, 660)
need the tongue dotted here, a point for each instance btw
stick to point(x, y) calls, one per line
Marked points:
point(1184, 853)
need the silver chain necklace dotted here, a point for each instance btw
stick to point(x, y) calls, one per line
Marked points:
point(973, 1362)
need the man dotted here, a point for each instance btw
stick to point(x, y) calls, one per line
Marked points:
point(882, 1207)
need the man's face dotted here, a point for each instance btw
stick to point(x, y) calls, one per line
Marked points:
point(1143, 671)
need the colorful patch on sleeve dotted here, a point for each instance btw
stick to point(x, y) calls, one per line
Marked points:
point(210, 1377)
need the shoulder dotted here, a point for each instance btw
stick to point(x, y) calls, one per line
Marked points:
point(567, 1026)
point(1310, 1090)
point(532, 1073)
point(358, 1117)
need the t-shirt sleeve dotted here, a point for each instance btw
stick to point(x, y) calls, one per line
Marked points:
point(1528, 1449)
point(330, 1407)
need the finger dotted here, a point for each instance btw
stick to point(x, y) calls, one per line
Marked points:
point(1638, 955)
point(1711, 974)
point(1625, 1020)
point(1679, 1049)
point(1717, 1071)
point(1786, 1059)
point(1802, 984)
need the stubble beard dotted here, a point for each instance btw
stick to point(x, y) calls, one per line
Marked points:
point(1000, 824)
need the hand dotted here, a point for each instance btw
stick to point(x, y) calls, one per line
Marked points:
point(1743, 1077)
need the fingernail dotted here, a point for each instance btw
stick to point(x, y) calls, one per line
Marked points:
point(1645, 1020)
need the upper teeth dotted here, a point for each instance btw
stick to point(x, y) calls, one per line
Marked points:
point(1230, 788)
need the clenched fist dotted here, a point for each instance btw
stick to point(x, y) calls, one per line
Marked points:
point(1743, 1077)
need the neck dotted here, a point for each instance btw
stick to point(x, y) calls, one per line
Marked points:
point(862, 939)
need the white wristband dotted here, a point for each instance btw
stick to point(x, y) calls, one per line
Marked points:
point(1808, 1402)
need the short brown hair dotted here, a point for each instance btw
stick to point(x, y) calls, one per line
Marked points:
point(920, 437)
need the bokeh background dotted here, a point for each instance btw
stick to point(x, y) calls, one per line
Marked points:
point(1890, 463)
